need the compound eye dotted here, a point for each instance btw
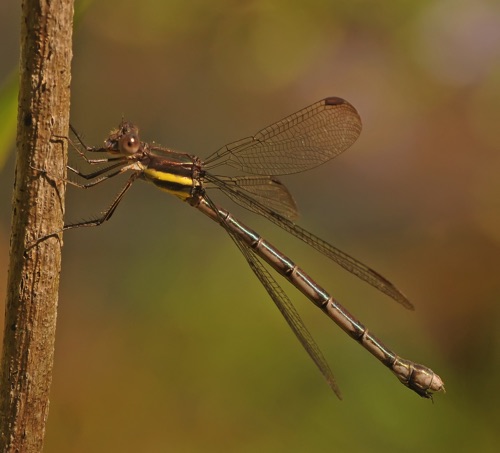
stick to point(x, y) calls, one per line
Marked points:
point(129, 144)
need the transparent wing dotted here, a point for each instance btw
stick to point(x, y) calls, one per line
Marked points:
point(265, 190)
point(290, 314)
point(301, 141)
point(344, 260)
point(285, 307)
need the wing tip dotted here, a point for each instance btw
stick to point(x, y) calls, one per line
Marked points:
point(334, 100)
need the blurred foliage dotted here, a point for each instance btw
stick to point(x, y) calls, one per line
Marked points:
point(8, 116)
point(166, 342)
point(9, 93)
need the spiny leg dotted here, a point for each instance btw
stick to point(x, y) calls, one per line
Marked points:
point(95, 175)
point(106, 215)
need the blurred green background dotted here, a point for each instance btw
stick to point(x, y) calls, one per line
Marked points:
point(167, 342)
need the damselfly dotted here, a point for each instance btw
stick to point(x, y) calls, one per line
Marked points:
point(299, 142)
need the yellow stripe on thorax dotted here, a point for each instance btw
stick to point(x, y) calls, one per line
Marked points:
point(162, 179)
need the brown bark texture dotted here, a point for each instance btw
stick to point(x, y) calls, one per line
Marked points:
point(38, 208)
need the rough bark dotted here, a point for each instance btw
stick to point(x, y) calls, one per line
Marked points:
point(38, 208)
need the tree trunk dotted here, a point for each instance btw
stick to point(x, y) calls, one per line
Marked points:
point(38, 208)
